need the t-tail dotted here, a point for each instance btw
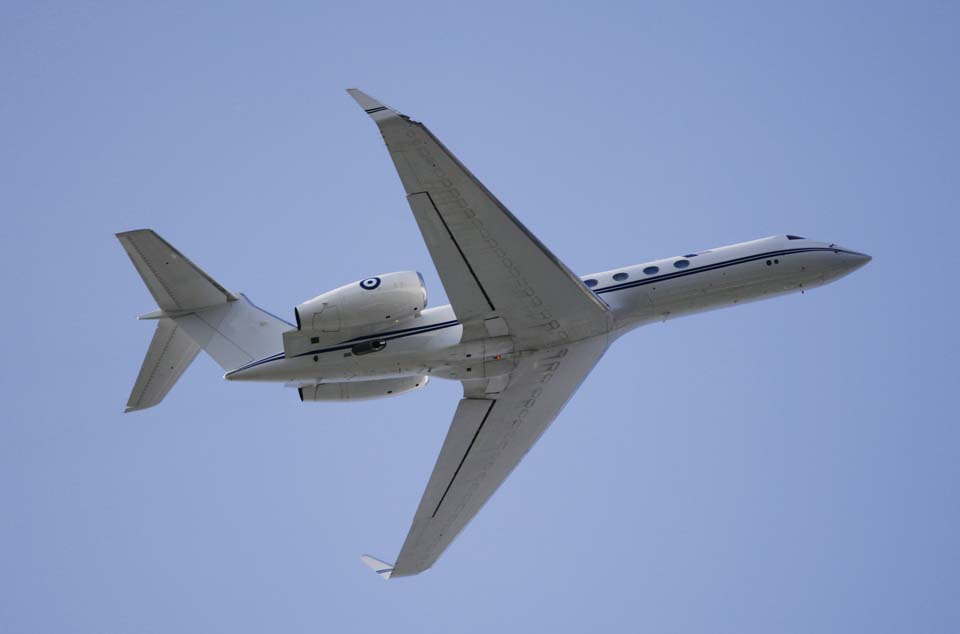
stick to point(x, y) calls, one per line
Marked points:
point(195, 313)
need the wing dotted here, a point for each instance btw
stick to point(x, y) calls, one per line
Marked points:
point(487, 439)
point(170, 353)
point(499, 277)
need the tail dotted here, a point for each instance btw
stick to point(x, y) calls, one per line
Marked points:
point(195, 313)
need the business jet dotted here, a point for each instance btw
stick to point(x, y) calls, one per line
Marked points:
point(521, 332)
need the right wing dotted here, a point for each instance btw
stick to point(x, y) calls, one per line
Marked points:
point(487, 439)
point(499, 277)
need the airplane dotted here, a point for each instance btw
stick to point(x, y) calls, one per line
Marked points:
point(521, 332)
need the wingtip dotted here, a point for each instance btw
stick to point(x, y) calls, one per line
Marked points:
point(121, 235)
point(370, 105)
point(366, 101)
point(379, 566)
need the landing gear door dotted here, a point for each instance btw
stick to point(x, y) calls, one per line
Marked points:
point(498, 361)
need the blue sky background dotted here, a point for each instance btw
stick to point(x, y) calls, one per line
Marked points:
point(787, 466)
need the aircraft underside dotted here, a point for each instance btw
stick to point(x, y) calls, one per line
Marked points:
point(521, 332)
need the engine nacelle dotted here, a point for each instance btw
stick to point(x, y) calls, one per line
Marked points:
point(376, 301)
point(361, 390)
point(362, 308)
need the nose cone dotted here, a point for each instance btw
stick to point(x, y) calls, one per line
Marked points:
point(849, 261)
point(857, 260)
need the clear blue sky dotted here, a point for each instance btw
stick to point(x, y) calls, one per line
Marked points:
point(787, 466)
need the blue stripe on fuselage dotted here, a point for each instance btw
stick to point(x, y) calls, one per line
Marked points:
point(408, 332)
point(711, 267)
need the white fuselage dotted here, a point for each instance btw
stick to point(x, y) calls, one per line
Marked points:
point(637, 295)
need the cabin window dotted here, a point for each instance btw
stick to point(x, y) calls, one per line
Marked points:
point(620, 276)
point(366, 347)
point(590, 283)
point(681, 264)
point(650, 270)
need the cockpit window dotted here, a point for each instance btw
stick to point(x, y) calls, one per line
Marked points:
point(795, 238)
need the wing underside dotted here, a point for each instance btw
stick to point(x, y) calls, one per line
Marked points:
point(501, 281)
point(486, 441)
point(492, 267)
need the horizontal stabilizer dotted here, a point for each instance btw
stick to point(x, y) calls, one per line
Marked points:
point(176, 283)
point(170, 353)
point(382, 568)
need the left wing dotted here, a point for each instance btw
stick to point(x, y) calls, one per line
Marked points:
point(499, 277)
point(487, 439)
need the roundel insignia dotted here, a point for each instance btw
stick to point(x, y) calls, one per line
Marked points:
point(370, 283)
